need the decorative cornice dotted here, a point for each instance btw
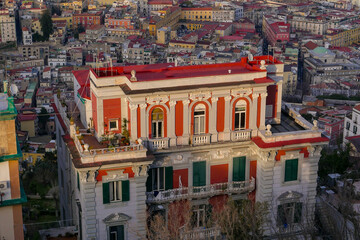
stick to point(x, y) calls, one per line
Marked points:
point(157, 99)
point(199, 96)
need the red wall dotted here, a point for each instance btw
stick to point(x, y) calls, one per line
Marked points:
point(219, 173)
point(220, 123)
point(184, 177)
point(271, 98)
point(112, 110)
point(179, 118)
point(94, 111)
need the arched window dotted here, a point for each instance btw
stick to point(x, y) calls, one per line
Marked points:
point(240, 115)
point(157, 123)
point(199, 119)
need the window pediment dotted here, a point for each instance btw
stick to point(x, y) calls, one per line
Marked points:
point(116, 217)
point(290, 196)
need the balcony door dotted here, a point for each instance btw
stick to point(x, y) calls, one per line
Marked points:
point(199, 119)
point(157, 123)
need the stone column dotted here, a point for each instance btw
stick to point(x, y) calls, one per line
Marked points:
point(278, 101)
point(186, 125)
point(88, 205)
point(227, 119)
point(262, 111)
point(133, 121)
point(140, 189)
point(171, 123)
point(143, 118)
point(213, 120)
point(253, 112)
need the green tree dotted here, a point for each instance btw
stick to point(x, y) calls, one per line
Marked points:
point(46, 24)
point(336, 161)
point(43, 117)
point(45, 170)
point(37, 37)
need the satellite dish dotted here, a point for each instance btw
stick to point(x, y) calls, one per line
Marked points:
point(250, 57)
point(14, 89)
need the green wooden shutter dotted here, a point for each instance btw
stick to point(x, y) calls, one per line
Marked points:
point(168, 178)
point(120, 232)
point(149, 181)
point(239, 166)
point(78, 180)
point(199, 173)
point(297, 213)
point(291, 170)
point(106, 193)
point(295, 169)
point(125, 188)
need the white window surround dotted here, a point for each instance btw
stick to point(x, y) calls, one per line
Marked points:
point(116, 219)
point(116, 127)
point(199, 123)
point(288, 156)
point(117, 175)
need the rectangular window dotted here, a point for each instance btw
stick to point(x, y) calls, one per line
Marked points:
point(355, 129)
point(240, 116)
point(113, 125)
point(289, 213)
point(291, 170)
point(116, 191)
point(199, 122)
point(160, 179)
point(117, 232)
point(239, 165)
point(201, 214)
point(199, 174)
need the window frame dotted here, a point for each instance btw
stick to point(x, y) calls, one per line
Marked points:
point(288, 177)
point(240, 104)
point(117, 124)
point(155, 123)
point(200, 114)
point(114, 186)
point(289, 219)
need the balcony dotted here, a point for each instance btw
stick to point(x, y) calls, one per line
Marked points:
point(201, 139)
point(158, 143)
point(201, 192)
point(201, 233)
point(241, 135)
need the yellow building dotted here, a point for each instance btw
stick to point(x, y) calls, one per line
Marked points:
point(12, 193)
point(181, 44)
point(36, 26)
point(343, 37)
point(168, 18)
point(67, 18)
point(193, 25)
point(197, 14)
point(32, 157)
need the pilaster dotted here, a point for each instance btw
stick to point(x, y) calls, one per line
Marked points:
point(143, 119)
point(88, 205)
point(186, 124)
point(133, 120)
point(278, 101)
point(227, 120)
point(213, 119)
point(171, 123)
point(253, 112)
point(263, 111)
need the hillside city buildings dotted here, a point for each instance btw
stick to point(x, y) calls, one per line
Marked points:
point(152, 102)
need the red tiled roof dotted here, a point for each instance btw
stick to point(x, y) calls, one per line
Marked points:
point(311, 45)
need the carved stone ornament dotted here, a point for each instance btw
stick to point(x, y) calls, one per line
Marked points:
point(200, 96)
point(115, 176)
point(311, 151)
point(179, 159)
point(143, 170)
point(317, 152)
point(116, 217)
point(133, 75)
point(268, 130)
point(271, 156)
point(157, 99)
point(133, 106)
point(136, 170)
point(220, 154)
point(241, 92)
point(88, 176)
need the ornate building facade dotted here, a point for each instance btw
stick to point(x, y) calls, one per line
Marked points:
point(161, 133)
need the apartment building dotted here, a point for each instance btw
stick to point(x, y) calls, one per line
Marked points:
point(312, 24)
point(197, 14)
point(7, 27)
point(87, 19)
point(344, 35)
point(12, 193)
point(352, 124)
point(37, 50)
point(192, 133)
point(275, 30)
